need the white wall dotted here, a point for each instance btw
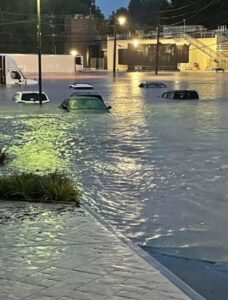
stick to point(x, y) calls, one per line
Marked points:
point(50, 63)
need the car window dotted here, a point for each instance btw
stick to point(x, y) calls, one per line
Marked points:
point(15, 75)
point(170, 95)
point(152, 85)
point(87, 103)
point(33, 97)
point(180, 95)
point(193, 95)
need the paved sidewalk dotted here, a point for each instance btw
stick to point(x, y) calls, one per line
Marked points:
point(65, 254)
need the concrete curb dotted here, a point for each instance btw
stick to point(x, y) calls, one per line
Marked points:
point(185, 288)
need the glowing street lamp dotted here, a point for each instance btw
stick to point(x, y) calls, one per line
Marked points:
point(121, 20)
point(135, 43)
point(73, 52)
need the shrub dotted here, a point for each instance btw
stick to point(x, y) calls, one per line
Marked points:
point(50, 187)
point(58, 187)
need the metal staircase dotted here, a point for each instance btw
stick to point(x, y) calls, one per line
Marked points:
point(207, 51)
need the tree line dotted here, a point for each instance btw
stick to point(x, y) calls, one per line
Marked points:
point(18, 25)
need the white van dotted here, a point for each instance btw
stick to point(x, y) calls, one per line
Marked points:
point(10, 73)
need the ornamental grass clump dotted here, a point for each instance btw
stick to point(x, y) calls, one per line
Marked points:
point(58, 187)
point(52, 187)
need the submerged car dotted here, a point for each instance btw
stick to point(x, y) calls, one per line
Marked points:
point(84, 103)
point(218, 69)
point(81, 86)
point(181, 95)
point(30, 97)
point(152, 84)
point(87, 93)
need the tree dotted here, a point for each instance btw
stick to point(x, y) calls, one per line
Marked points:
point(18, 27)
point(198, 12)
point(146, 12)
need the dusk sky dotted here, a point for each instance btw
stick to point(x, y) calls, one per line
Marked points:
point(107, 6)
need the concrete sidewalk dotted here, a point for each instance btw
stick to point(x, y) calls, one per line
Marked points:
point(61, 253)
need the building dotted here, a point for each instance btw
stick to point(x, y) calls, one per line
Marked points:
point(183, 48)
point(81, 36)
point(140, 54)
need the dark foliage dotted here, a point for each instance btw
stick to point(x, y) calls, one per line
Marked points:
point(4, 157)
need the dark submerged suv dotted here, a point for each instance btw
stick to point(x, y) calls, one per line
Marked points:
point(181, 95)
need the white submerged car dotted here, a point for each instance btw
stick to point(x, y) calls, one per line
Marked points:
point(81, 86)
point(30, 97)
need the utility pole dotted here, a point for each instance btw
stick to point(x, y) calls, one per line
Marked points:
point(184, 21)
point(39, 50)
point(114, 50)
point(158, 41)
point(157, 50)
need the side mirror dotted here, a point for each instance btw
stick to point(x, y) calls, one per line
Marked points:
point(109, 107)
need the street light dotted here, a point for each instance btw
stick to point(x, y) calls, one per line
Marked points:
point(39, 50)
point(136, 43)
point(121, 20)
point(73, 52)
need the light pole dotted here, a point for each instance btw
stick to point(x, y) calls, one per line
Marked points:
point(39, 50)
point(157, 50)
point(184, 21)
point(120, 21)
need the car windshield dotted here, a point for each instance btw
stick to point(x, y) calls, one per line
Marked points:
point(186, 95)
point(33, 96)
point(84, 93)
point(86, 103)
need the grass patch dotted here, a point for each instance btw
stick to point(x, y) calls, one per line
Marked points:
point(4, 157)
point(52, 187)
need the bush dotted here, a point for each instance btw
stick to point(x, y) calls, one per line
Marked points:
point(50, 187)
point(3, 157)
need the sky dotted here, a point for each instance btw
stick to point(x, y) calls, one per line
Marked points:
point(107, 6)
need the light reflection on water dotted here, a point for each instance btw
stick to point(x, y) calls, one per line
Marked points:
point(156, 170)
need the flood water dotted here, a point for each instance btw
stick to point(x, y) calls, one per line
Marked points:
point(155, 169)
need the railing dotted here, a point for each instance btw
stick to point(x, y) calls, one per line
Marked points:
point(211, 54)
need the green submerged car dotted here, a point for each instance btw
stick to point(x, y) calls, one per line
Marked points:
point(89, 103)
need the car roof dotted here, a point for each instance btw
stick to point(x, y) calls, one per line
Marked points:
point(29, 92)
point(82, 84)
point(153, 82)
point(180, 91)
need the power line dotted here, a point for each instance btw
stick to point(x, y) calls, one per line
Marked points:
point(212, 2)
point(180, 8)
point(197, 13)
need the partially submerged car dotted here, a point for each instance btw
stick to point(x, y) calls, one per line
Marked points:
point(84, 103)
point(152, 84)
point(30, 97)
point(218, 69)
point(181, 95)
point(81, 86)
point(87, 93)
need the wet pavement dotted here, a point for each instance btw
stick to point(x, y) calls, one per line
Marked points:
point(62, 252)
